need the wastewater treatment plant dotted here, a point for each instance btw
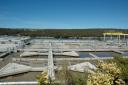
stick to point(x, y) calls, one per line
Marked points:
point(24, 58)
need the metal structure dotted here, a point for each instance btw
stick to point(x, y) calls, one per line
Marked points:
point(118, 34)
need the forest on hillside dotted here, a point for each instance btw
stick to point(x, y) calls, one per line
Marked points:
point(59, 33)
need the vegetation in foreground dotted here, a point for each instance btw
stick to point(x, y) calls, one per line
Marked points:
point(106, 74)
point(123, 64)
point(114, 72)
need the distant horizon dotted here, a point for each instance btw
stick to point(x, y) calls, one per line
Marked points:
point(64, 14)
point(60, 28)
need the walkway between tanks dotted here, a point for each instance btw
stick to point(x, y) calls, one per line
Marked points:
point(51, 72)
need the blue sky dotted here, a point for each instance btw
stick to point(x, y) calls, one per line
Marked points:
point(64, 13)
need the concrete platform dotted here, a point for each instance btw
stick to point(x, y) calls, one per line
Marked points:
point(13, 68)
point(72, 53)
point(32, 54)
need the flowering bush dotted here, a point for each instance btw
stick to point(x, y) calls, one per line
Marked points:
point(106, 74)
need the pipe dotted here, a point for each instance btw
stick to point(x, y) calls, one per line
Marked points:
point(19, 83)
